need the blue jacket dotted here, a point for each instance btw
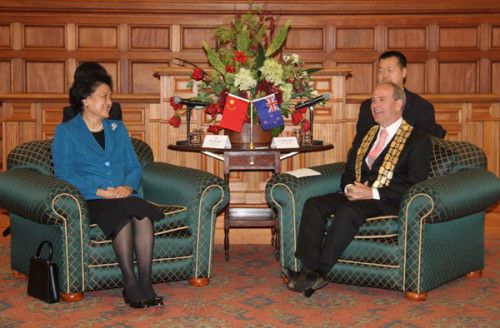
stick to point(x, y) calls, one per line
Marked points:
point(79, 159)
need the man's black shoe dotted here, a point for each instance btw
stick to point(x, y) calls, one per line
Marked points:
point(308, 279)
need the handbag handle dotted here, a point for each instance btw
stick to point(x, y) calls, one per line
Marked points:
point(39, 249)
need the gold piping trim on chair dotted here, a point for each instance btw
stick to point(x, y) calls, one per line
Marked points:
point(154, 260)
point(107, 241)
point(66, 238)
point(420, 239)
point(382, 217)
point(211, 232)
point(370, 264)
point(295, 267)
point(182, 208)
point(376, 236)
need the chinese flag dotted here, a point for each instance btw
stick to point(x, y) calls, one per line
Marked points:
point(235, 111)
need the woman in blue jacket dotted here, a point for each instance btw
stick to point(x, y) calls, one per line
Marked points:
point(96, 156)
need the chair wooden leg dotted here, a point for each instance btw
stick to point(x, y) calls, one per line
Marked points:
point(199, 282)
point(474, 274)
point(73, 297)
point(17, 274)
point(416, 296)
point(286, 280)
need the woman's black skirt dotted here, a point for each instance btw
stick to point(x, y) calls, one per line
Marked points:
point(113, 214)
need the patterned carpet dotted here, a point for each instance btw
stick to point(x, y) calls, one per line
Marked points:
point(247, 292)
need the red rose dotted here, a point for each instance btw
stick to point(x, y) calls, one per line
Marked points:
point(197, 74)
point(212, 110)
point(239, 56)
point(229, 68)
point(214, 129)
point(175, 121)
point(306, 125)
point(297, 118)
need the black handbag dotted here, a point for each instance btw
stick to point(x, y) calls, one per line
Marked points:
point(43, 279)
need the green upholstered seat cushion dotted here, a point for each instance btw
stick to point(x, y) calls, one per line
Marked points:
point(380, 251)
point(377, 227)
point(176, 218)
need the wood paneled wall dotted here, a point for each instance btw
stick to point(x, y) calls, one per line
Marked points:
point(452, 47)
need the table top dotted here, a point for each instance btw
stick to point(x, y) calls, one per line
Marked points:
point(244, 148)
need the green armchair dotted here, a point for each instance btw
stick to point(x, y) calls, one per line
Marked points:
point(43, 207)
point(438, 235)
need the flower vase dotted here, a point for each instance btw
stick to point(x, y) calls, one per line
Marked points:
point(260, 137)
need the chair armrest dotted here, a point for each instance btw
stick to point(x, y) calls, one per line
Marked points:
point(287, 193)
point(451, 196)
point(41, 198)
point(169, 184)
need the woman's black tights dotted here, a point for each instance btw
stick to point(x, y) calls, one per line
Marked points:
point(138, 236)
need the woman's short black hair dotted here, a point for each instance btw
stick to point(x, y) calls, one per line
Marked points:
point(80, 90)
point(88, 76)
point(93, 71)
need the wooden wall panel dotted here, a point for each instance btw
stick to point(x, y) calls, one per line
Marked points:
point(305, 39)
point(407, 38)
point(43, 37)
point(458, 77)
point(495, 77)
point(416, 77)
point(193, 36)
point(5, 39)
point(361, 38)
point(459, 38)
point(97, 37)
point(142, 78)
point(495, 37)
point(149, 38)
point(45, 76)
point(5, 75)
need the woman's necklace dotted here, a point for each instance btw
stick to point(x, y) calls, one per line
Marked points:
point(99, 128)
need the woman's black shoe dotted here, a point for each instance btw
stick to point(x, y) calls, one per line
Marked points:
point(157, 301)
point(141, 304)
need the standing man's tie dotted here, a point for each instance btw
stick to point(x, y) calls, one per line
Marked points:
point(372, 156)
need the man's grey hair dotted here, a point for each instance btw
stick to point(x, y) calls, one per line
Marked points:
point(398, 93)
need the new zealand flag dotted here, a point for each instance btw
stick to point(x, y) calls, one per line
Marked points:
point(269, 112)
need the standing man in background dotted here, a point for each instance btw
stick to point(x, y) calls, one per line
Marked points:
point(418, 112)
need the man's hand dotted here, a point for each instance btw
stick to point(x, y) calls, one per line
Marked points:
point(359, 191)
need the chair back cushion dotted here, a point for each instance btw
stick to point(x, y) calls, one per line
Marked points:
point(37, 155)
point(451, 156)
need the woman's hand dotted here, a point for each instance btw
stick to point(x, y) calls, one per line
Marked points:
point(118, 192)
point(122, 192)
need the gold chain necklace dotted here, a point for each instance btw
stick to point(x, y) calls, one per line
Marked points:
point(386, 170)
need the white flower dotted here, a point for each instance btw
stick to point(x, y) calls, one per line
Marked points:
point(314, 93)
point(244, 80)
point(287, 90)
point(114, 126)
point(273, 71)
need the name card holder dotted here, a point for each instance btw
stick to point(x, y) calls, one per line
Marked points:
point(218, 142)
point(284, 142)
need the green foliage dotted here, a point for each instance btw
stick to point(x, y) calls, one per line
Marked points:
point(279, 40)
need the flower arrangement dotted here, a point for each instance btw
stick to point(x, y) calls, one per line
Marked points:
point(245, 64)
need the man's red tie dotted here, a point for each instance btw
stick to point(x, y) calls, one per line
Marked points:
point(372, 156)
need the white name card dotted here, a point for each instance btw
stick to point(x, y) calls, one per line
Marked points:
point(284, 142)
point(219, 142)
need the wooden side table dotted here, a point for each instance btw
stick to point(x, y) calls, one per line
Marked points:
point(240, 158)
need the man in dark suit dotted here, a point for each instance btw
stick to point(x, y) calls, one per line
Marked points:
point(418, 112)
point(382, 164)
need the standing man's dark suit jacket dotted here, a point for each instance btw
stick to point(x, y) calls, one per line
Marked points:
point(411, 168)
point(418, 112)
point(115, 113)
